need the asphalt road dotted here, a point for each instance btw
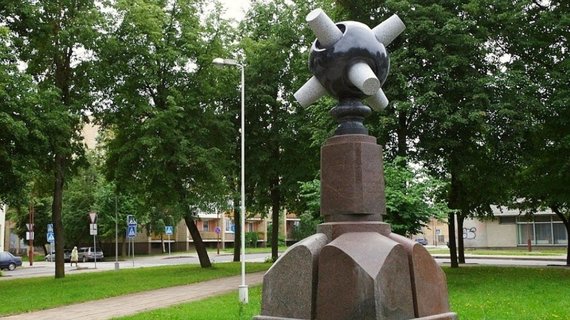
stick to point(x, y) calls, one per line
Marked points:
point(42, 268)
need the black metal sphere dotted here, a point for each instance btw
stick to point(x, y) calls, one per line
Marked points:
point(358, 44)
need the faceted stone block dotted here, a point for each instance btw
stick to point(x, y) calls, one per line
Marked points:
point(429, 281)
point(352, 179)
point(289, 286)
point(364, 275)
point(335, 229)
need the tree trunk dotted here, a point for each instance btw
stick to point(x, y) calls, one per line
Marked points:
point(454, 202)
point(402, 133)
point(460, 239)
point(56, 216)
point(566, 222)
point(198, 243)
point(124, 248)
point(275, 206)
point(452, 244)
point(237, 230)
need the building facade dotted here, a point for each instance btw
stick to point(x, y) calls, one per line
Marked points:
point(509, 228)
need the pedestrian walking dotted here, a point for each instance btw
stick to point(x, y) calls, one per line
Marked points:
point(74, 257)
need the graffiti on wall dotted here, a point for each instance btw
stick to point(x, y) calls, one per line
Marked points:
point(469, 233)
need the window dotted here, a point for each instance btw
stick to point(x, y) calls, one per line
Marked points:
point(250, 227)
point(560, 234)
point(230, 226)
point(507, 220)
point(543, 231)
point(206, 226)
point(525, 232)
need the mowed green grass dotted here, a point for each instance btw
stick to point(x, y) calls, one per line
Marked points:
point(478, 292)
point(22, 295)
point(509, 292)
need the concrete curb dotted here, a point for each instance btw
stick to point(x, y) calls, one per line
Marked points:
point(529, 258)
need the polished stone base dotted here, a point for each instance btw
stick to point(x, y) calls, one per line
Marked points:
point(352, 270)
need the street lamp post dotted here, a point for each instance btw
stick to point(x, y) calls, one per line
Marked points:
point(243, 290)
point(116, 235)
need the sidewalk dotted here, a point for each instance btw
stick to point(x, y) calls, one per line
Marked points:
point(561, 258)
point(143, 301)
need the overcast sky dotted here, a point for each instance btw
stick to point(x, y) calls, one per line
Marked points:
point(235, 8)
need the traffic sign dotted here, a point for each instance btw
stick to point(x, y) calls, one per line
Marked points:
point(50, 237)
point(50, 227)
point(93, 229)
point(93, 216)
point(168, 230)
point(131, 221)
point(218, 230)
point(30, 226)
point(132, 231)
point(30, 235)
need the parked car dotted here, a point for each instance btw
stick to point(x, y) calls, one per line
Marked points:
point(66, 256)
point(9, 261)
point(422, 241)
point(88, 254)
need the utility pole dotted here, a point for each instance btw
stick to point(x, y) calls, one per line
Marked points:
point(30, 234)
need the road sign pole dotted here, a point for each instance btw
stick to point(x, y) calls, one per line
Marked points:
point(169, 244)
point(95, 251)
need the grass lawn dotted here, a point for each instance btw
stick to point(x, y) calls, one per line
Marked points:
point(509, 292)
point(252, 250)
point(22, 295)
point(477, 292)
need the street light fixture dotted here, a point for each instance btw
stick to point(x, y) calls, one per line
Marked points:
point(243, 290)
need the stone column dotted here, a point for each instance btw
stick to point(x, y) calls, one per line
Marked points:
point(352, 179)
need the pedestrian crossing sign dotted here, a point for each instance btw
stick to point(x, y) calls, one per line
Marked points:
point(132, 231)
point(168, 230)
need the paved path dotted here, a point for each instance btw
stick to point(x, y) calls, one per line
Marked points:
point(144, 301)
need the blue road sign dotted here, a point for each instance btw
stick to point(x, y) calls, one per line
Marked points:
point(168, 230)
point(131, 221)
point(131, 231)
point(50, 237)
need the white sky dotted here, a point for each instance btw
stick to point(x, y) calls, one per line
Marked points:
point(235, 8)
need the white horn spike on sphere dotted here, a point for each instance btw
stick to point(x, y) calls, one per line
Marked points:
point(362, 76)
point(310, 92)
point(389, 29)
point(324, 28)
point(378, 101)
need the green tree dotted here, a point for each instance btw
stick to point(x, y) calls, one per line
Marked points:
point(112, 210)
point(168, 135)
point(48, 37)
point(412, 197)
point(277, 135)
point(79, 200)
point(439, 88)
point(532, 38)
point(310, 212)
